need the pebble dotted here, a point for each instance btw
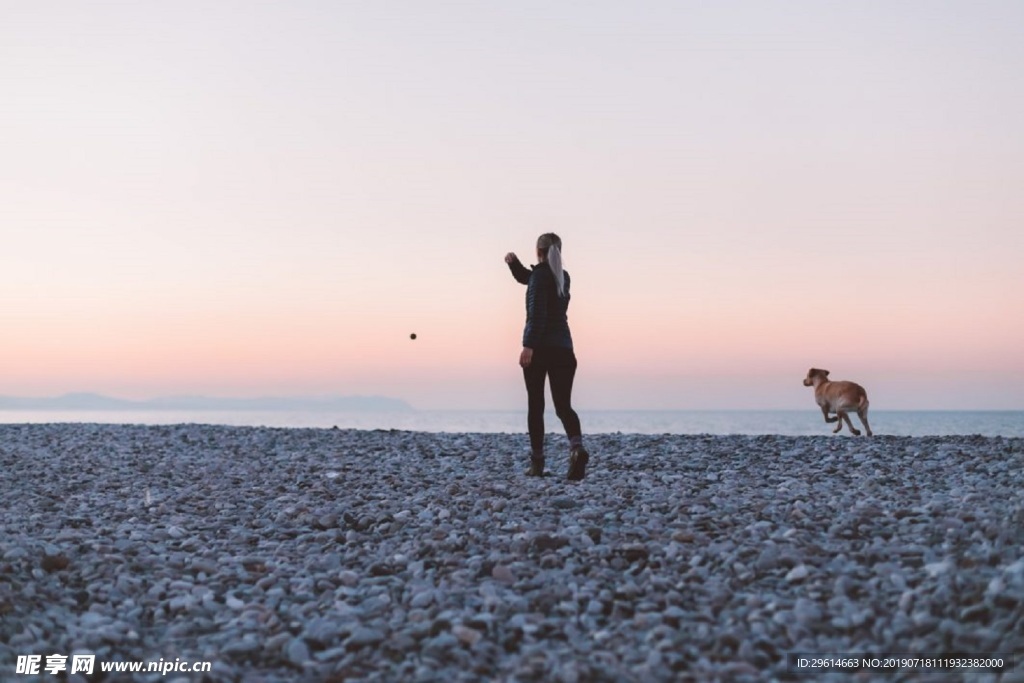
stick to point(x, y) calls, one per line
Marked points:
point(297, 652)
point(797, 573)
point(389, 555)
point(363, 636)
point(503, 574)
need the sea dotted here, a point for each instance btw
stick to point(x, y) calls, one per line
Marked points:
point(712, 422)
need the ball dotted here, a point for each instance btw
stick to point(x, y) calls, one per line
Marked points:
point(412, 336)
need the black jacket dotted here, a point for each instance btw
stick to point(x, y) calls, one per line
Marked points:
point(546, 321)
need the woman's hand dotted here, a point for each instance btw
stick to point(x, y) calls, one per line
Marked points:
point(526, 357)
point(511, 258)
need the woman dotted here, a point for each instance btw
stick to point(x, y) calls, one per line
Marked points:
point(548, 353)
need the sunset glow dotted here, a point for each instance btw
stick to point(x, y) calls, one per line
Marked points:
point(252, 200)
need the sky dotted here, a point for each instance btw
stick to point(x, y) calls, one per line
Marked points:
point(266, 199)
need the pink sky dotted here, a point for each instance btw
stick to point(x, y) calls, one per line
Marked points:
point(266, 200)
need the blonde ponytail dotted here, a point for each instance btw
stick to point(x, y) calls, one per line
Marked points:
point(555, 261)
point(553, 244)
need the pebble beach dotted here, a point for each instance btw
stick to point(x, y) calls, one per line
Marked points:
point(344, 555)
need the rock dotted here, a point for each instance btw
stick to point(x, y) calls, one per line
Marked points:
point(297, 652)
point(935, 569)
point(428, 557)
point(421, 600)
point(975, 613)
point(15, 554)
point(54, 563)
point(441, 643)
point(467, 636)
point(242, 648)
point(807, 612)
point(322, 632)
point(503, 574)
point(544, 542)
point(797, 573)
point(363, 637)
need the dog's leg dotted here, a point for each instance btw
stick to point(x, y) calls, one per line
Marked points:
point(849, 423)
point(829, 420)
point(838, 418)
point(862, 413)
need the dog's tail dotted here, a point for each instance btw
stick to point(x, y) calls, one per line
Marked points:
point(863, 403)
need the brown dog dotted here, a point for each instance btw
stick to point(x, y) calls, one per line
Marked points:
point(838, 398)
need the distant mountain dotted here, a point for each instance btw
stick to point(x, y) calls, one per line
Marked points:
point(77, 401)
point(89, 401)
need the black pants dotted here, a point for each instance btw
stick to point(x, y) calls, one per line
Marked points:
point(558, 364)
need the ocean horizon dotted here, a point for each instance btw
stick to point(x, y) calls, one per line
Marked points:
point(1006, 423)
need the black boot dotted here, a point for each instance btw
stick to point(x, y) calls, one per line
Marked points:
point(578, 459)
point(536, 467)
